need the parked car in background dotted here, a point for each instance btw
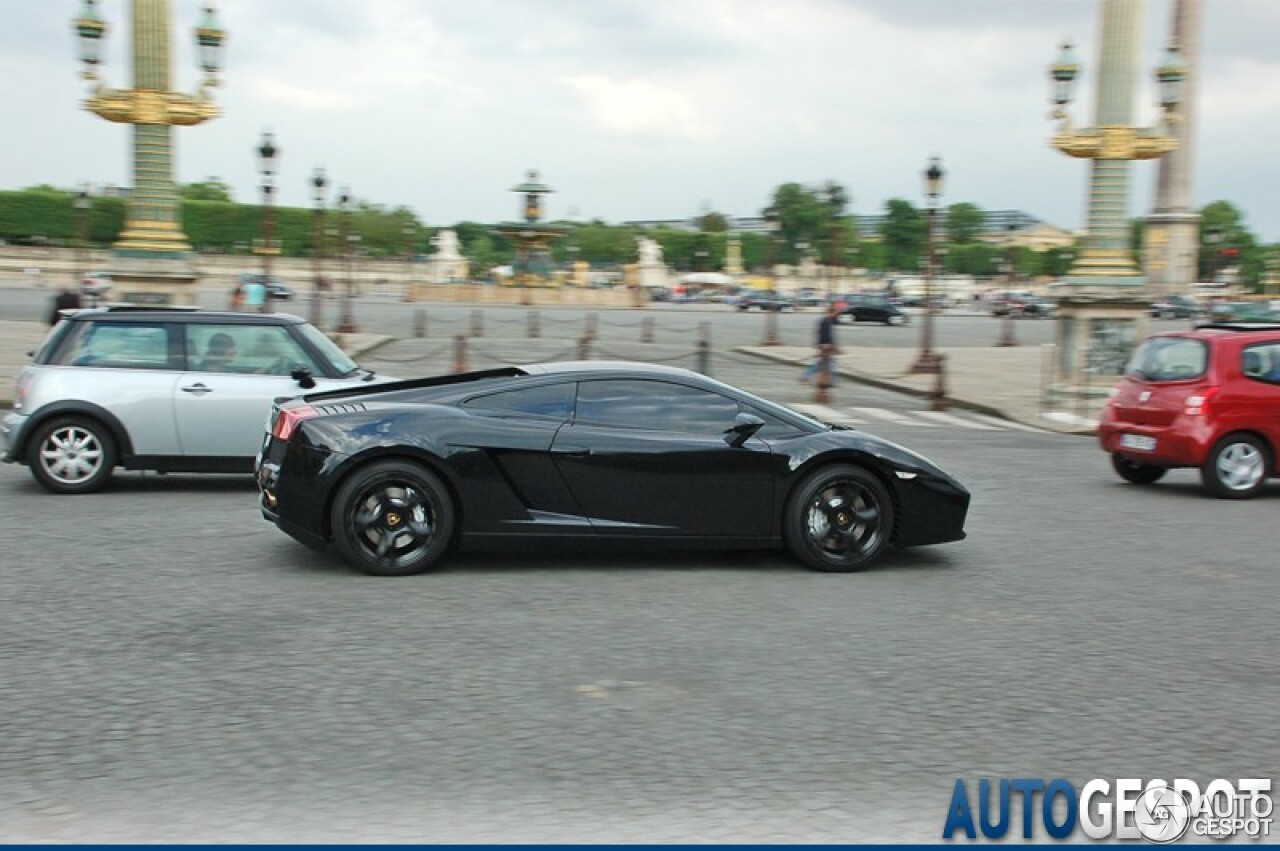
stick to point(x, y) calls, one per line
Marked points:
point(394, 477)
point(764, 300)
point(1176, 307)
point(1030, 306)
point(870, 307)
point(810, 297)
point(275, 287)
point(1207, 398)
point(161, 389)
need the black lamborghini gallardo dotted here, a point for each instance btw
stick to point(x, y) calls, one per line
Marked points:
point(395, 475)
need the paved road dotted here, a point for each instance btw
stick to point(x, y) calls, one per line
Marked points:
point(176, 669)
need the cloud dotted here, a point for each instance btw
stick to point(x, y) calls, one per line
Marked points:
point(302, 98)
point(627, 107)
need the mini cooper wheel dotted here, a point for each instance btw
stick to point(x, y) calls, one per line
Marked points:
point(72, 455)
point(839, 519)
point(1139, 474)
point(392, 518)
point(1237, 467)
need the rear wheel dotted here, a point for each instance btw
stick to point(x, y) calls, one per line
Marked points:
point(1139, 474)
point(72, 455)
point(392, 518)
point(839, 519)
point(1237, 467)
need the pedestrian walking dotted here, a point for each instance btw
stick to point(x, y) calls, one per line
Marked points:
point(823, 363)
point(66, 299)
point(237, 298)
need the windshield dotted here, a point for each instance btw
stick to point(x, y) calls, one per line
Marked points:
point(329, 350)
point(1169, 359)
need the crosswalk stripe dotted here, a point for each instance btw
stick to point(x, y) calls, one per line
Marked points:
point(996, 421)
point(949, 419)
point(828, 415)
point(891, 416)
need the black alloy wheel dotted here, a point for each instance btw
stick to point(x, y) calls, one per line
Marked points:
point(839, 519)
point(69, 455)
point(1139, 474)
point(392, 518)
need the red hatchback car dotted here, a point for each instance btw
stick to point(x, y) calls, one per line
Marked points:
point(1207, 398)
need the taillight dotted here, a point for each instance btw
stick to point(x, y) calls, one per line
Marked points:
point(1197, 405)
point(20, 391)
point(288, 420)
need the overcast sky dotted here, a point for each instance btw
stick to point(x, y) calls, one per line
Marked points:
point(639, 109)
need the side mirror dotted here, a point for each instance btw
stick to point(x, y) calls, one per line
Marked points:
point(743, 429)
point(302, 375)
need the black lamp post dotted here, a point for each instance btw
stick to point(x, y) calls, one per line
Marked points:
point(267, 154)
point(409, 232)
point(318, 185)
point(928, 361)
point(82, 239)
point(346, 321)
point(772, 222)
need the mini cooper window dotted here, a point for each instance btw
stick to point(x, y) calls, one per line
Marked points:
point(654, 405)
point(548, 400)
point(249, 349)
point(1169, 359)
point(119, 345)
point(1261, 362)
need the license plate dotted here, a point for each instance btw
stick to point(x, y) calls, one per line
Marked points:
point(1140, 442)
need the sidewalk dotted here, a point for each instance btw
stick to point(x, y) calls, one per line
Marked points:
point(1001, 382)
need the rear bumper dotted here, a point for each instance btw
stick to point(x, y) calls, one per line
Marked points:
point(1184, 443)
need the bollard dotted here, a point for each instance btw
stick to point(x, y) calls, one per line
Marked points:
point(589, 328)
point(459, 353)
point(646, 330)
point(419, 323)
point(477, 323)
point(938, 395)
point(704, 331)
point(770, 329)
point(1007, 336)
point(822, 392)
point(584, 347)
point(704, 357)
point(534, 330)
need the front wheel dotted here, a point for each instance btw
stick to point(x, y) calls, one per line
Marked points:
point(1139, 474)
point(839, 519)
point(1236, 467)
point(72, 455)
point(392, 518)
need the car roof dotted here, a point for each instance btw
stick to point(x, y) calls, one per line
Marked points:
point(577, 367)
point(183, 315)
point(1244, 331)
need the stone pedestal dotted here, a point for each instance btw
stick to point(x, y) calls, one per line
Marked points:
point(1096, 334)
point(158, 280)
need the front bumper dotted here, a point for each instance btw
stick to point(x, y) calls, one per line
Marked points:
point(933, 511)
point(10, 428)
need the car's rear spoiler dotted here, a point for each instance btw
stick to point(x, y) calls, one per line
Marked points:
point(414, 383)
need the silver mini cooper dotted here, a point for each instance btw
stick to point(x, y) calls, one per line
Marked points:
point(161, 389)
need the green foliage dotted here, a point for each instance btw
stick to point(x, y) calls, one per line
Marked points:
point(963, 223)
point(713, 223)
point(902, 233)
point(810, 214)
point(212, 189)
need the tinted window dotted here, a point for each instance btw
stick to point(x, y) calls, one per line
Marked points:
point(119, 345)
point(1169, 359)
point(654, 405)
point(1261, 362)
point(248, 349)
point(549, 400)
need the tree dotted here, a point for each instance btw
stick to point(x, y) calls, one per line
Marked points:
point(713, 223)
point(212, 189)
point(963, 223)
point(1226, 242)
point(902, 233)
point(837, 200)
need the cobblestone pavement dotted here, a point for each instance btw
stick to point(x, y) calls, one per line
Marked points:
point(176, 669)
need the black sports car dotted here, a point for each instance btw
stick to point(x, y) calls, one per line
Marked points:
point(395, 475)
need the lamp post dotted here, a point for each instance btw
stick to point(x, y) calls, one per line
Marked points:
point(1007, 335)
point(927, 362)
point(82, 239)
point(267, 154)
point(346, 319)
point(152, 254)
point(409, 232)
point(318, 185)
point(773, 223)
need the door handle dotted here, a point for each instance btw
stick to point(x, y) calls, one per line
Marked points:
point(197, 388)
point(571, 451)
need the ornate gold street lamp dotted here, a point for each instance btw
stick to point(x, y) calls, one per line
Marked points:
point(318, 185)
point(267, 154)
point(152, 259)
point(928, 362)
